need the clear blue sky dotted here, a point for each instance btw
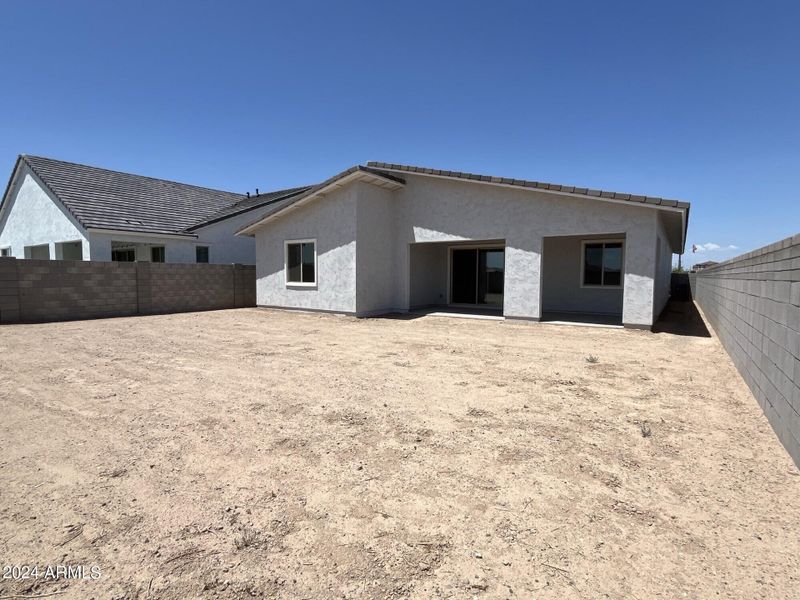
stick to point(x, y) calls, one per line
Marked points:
point(691, 100)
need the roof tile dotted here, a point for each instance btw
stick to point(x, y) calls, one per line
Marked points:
point(540, 185)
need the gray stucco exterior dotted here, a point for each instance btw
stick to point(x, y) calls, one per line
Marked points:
point(332, 222)
point(381, 250)
point(561, 278)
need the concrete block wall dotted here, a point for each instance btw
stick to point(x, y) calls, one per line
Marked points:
point(244, 286)
point(753, 304)
point(9, 291)
point(63, 290)
point(47, 290)
point(175, 287)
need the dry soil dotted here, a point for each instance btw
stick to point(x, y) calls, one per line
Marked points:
point(265, 453)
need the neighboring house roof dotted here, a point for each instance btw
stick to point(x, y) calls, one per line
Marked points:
point(390, 172)
point(104, 199)
point(249, 203)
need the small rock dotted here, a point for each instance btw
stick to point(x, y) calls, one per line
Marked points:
point(478, 555)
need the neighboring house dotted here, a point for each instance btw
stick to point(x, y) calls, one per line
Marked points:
point(59, 210)
point(704, 265)
point(385, 237)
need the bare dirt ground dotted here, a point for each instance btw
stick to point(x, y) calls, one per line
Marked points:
point(264, 453)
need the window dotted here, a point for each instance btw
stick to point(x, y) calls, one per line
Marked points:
point(157, 254)
point(201, 254)
point(602, 264)
point(123, 255)
point(41, 252)
point(69, 250)
point(5, 251)
point(301, 262)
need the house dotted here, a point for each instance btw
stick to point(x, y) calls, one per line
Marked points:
point(60, 210)
point(386, 237)
point(704, 265)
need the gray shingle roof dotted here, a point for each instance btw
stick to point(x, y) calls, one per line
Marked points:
point(104, 199)
point(250, 203)
point(553, 187)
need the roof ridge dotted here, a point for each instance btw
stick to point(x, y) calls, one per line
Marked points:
point(25, 157)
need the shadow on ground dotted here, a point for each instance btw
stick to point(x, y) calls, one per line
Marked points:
point(681, 317)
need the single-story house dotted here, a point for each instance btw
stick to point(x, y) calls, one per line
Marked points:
point(385, 237)
point(53, 209)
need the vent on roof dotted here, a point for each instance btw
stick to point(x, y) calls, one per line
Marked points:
point(131, 222)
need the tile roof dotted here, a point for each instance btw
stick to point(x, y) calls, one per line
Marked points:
point(250, 203)
point(104, 199)
point(523, 183)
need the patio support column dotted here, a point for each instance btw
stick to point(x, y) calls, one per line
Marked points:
point(402, 279)
point(523, 279)
point(640, 272)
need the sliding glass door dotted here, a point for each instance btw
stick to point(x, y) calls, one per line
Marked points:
point(476, 276)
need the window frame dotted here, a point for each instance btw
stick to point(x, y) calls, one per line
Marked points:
point(602, 286)
point(196, 248)
point(163, 253)
point(302, 284)
point(126, 250)
point(60, 249)
point(7, 250)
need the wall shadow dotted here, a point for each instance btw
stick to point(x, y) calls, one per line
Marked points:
point(681, 317)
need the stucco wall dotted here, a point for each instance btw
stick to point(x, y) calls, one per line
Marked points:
point(175, 250)
point(561, 280)
point(376, 230)
point(224, 246)
point(663, 269)
point(434, 210)
point(332, 222)
point(428, 274)
point(753, 304)
point(34, 217)
point(374, 249)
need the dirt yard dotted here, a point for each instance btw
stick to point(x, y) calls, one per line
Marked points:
point(284, 455)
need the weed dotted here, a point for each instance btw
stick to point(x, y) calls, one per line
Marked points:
point(645, 429)
point(249, 537)
point(592, 359)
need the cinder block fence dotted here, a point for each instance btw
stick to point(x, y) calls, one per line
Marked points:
point(63, 290)
point(753, 304)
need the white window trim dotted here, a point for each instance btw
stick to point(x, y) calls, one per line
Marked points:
point(302, 284)
point(583, 264)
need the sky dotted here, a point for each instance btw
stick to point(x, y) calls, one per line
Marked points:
point(697, 101)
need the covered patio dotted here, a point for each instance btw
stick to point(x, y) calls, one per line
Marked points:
point(458, 278)
point(582, 279)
